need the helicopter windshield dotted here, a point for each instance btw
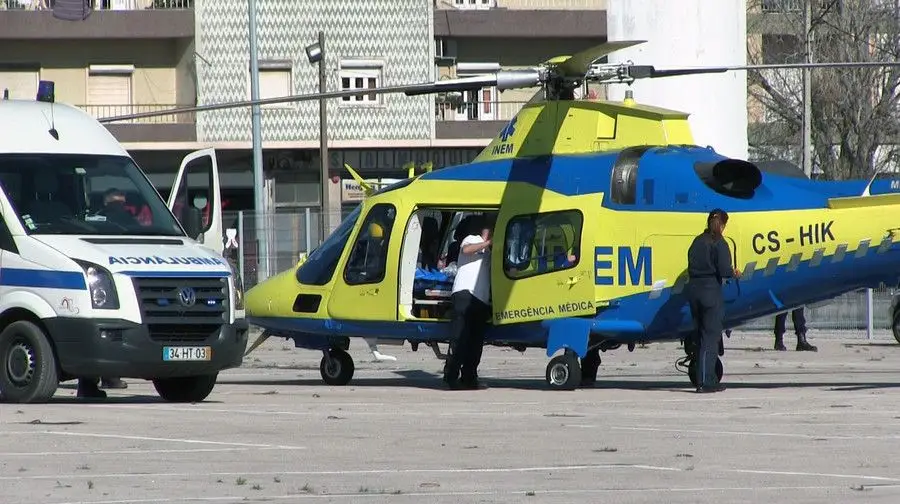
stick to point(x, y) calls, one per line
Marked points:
point(84, 194)
point(319, 267)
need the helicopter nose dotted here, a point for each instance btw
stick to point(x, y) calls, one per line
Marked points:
point(254, 300)
point(263, 298)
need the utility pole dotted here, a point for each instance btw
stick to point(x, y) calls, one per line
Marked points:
point(259, 197)
point(323, 142)
point(807, 94)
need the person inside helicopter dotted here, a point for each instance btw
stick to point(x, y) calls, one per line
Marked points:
point(430, 241)
point(367, 259)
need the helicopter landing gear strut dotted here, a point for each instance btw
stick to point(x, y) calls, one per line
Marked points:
point(689, 361)
point(692, 371)
point(336, 366)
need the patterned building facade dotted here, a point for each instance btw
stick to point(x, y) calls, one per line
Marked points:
point(367, 44)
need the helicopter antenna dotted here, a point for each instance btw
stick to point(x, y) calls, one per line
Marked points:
point(866, 192)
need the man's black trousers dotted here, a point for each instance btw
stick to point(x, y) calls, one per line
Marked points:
point(470, 316)
point(708, 312)
point(797, 317)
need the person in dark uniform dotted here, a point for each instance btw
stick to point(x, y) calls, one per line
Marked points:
point(709, 264)
point(799, 320)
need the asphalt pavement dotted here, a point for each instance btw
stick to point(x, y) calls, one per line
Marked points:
point(792, 427)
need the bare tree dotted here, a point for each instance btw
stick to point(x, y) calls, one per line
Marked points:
point(855, 111)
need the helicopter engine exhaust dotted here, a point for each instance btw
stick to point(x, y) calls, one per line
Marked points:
point(732, 177)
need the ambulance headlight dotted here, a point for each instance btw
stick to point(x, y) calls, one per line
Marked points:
point(238, 286)
point(101, 286)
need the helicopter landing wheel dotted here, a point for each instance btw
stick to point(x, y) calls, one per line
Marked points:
point(692, 371)
point(336, 367)
point(564, 371)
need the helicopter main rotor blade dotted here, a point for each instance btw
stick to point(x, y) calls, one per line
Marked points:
point(504, 79)
point(650, 72)
point(578, 64)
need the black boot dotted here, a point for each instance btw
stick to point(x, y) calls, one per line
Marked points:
point(803, 345)
point(88, 389)
point(589, 365)
point(113, 383)
point(779, 343)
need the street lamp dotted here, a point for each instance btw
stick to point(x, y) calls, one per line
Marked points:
point(315, 53)
point(259, 198)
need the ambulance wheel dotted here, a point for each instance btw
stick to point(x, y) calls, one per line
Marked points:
point(185, 388)
point(692, 371)
point(564, 371)
point(28, 373)
point(336, 367)
point(895, 327)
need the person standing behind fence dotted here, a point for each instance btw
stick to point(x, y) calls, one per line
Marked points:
point(799, 320)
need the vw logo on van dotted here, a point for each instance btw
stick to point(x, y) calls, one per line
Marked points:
point(187, 296)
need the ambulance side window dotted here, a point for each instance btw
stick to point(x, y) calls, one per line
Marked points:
point(368, 257)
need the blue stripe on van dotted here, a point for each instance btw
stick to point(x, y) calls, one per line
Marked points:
point(46, 279)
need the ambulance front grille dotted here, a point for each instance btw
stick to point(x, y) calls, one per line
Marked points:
point(188, 309)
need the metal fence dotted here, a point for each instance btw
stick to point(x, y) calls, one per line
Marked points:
point(292, 232)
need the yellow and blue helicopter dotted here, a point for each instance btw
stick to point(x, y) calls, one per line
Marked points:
point(595, 204)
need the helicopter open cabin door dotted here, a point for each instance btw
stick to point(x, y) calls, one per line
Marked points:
point(196, 199)
point(542, 261)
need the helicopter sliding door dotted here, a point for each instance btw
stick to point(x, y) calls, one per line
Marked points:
point(542, 261)
point(367, 287)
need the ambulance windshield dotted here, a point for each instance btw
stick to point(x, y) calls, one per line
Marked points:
point(84, 194)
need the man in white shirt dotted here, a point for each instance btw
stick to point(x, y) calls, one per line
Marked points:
point(471, 297)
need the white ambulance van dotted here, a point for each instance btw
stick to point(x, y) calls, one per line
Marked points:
point(98, 277)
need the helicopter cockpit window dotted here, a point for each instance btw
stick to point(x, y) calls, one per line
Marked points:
point(368, 258)
point(320, 265)
point(542, 243)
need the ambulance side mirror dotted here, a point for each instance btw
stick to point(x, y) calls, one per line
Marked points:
point(193, 222)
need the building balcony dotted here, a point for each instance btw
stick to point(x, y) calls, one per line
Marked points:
point(108, 19)
point(171, 128)
point(473, 120)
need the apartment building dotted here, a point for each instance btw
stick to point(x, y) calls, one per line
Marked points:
point(126, 56)
point(479, 36)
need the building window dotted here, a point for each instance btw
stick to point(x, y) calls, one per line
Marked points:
point(275, 81)
point(109, 90)
point(473, 4)
point(798, 5)
point(478, 104)
point(19, 82)
point(781, 49)
point(361, 74)
point(542, 243)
